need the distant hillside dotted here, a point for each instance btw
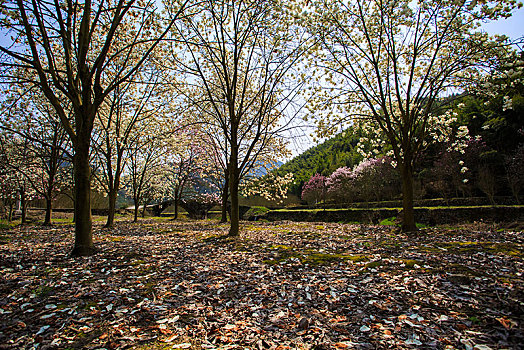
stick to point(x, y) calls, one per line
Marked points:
point(325, 158)
point(262, 170)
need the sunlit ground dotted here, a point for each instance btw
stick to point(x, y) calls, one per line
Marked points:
point(163, 284)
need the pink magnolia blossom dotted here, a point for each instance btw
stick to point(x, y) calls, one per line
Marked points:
point(314, 189)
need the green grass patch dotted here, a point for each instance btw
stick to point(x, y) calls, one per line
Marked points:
point(219, 238)
point(410, 263)
point(256, 211)
point(7, 225)
point(137, 262)
point(358, 258)
point(280, 247)
point(61, 220)
point(392, 221)
point(317, 259)
point(115, 238)
point(158, 345)
point(43, 291)
point(373, 264)
point(474, 320)
point(389, 222)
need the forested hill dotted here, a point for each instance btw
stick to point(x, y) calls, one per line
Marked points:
point(325, 158)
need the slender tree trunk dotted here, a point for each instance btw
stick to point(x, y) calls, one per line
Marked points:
point(408, 219)
point(233, 190)
point(135, 215)
point(113, 193)
point(23, 207)
point(83, 220)
point(111, 208)
point(10, 216)
point(144, 209)
point(48, 211)
point(225, 195)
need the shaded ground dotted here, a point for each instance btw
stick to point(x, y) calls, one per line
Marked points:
point(282, 285)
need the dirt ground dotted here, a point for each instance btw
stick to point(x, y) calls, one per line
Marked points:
point(163, 284)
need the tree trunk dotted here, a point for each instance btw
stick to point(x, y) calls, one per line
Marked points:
point(23, 205)
point(113, 190)
point(135, 215)
point(176, 207)
point(111, 208)
point(48, 211)
point(408, 218)
point(144, 209)
point(235, 214)
point(11, 207)
point(234, 230)
point(225, 195)
point(83, 220)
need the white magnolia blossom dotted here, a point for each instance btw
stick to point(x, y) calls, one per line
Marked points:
point(507, 104)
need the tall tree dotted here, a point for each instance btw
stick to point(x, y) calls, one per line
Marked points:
point(70, 45)
point(389, 62)
point(125, 115)
point(241, 53)
point(146, 157)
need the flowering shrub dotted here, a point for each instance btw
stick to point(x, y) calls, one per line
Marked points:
point(372, 179)
point(314, 190)
point(375, 179)
point(340, 185)
point(208, 198)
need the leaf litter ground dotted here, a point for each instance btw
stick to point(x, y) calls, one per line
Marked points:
point(164, 284)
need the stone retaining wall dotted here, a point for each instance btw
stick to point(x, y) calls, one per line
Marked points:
point(436, 216)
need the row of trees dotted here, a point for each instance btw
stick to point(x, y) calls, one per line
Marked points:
point(373, 179)
point(216, 63)
point(164, 162)
point(486, 160)
point(238, 70)
point(475, 170)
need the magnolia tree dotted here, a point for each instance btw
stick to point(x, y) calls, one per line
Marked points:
point(8, 184)
point(145, 166)
point(239, 56)
point(314, 190)
point(28, 115)
point(341, 186)
point(387, 64)
point(372, 179)
point(258, 155)
point(72, 49)
point(190, 160)
point(21, 167)
point(375, 179)
point(131, 110)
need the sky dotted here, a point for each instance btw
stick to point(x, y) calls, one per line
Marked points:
point(513, 27)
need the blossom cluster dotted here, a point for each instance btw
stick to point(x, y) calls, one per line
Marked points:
point(270, 187)
point(373, 178)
